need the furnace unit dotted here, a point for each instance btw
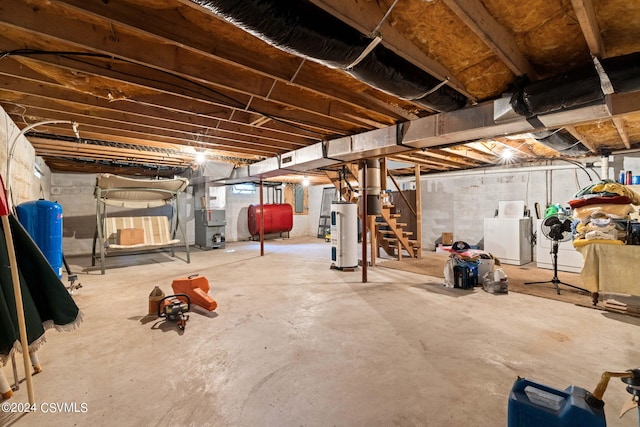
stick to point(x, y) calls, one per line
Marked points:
point(210, 220)
point(209, 227)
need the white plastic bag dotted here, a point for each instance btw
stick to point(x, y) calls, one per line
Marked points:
point(448, 272)
point(496, 282)
point(499, 274)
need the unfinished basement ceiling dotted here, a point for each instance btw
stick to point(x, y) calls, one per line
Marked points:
point(152, 82)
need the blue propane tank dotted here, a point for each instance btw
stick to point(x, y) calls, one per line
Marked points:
point(536, 405)
point(43, 221)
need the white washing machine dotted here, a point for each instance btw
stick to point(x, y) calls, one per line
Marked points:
point(508, 239)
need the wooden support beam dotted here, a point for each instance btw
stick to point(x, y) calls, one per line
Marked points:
point(588, 21)
point(583, 139)
point(418, 213)
point(373, 236)
point(494, 35)
point(383, 174)
point(619, 125)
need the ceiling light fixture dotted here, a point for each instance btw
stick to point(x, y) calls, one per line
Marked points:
point(200, 157)
point(506, 154)
point(305, 181)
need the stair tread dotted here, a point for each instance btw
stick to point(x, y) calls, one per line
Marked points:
point(406, 233)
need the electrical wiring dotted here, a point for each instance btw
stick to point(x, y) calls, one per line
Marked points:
point(595, 172)
point(579, 165)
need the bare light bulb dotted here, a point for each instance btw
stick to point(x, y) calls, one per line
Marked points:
point(200, 157)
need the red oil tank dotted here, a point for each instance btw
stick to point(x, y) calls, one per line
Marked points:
point(278, 218)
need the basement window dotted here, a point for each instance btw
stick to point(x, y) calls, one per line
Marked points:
point(247, 188)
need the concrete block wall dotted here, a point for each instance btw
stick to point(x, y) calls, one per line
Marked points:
point(30, 176)
point(452, 202)
point(459, 203)
point(237, 214)
point(75, 193)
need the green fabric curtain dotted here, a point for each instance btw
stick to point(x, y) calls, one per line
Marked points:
point(47, 303)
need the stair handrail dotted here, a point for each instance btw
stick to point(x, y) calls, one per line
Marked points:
point(413, 211)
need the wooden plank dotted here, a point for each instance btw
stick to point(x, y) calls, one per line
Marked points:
point(231, 44)
point(103, 129)
point(619, 124)
point(431, 164)
point(324, 119)
point(471, 154)
point(89, 31)
point(373, 243)
point(49, 108)
point(588, 21)
point(494, 35)
point(148, 87)
point(583, 139)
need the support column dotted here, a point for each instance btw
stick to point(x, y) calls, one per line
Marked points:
point(364, 221)
point(604, 167)
point(418, 212)
point(374, 237)
point(261, 218)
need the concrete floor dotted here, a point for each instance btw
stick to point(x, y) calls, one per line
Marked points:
point(295, 343)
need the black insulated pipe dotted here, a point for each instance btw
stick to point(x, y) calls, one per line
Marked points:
point(563, 142)
point(303, 29)
point(578, 87)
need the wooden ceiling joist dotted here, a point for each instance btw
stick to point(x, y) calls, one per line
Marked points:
point(583, 139)
point(451, 156)
point(586, 15)
point(619, 125)
point(165, 55)
point(171, 73)
point(476, 17)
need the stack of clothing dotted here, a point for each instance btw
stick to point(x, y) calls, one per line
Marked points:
point(601, 212)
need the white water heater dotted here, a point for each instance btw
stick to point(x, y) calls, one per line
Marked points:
point(344, 235)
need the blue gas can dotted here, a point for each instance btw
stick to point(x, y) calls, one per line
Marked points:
point(43, 221)
point(536, 405)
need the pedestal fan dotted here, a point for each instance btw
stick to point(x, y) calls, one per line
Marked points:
point(557, 228)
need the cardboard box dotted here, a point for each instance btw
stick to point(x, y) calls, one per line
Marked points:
point(130, 236)
point(447, 238)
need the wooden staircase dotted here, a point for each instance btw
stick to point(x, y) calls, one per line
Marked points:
point(342, 181)
point(385, 229)
point(391, 236)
